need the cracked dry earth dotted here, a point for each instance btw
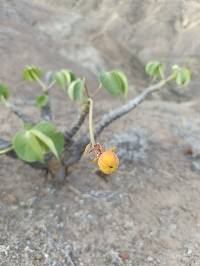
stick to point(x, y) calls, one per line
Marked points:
point(147, 214)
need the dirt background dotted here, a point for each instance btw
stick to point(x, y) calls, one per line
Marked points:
point(147, 214)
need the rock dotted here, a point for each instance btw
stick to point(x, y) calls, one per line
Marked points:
point(10, 199)
point(189, 252)
point(55, 237)
point(118, 37)
point(38, 256)
point(149, 259)
point(150, 206)
point(195, 165)
point(124, 255)
point(4, 249)
point(132, 146)
point(113, 257)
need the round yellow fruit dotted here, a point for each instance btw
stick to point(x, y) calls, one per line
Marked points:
point(108, 162)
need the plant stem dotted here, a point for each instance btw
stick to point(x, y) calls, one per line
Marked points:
point(91, 122)
point(132, 104)
point(40, 82)
point(86, 89)
point(6, 150)
point(78, 123)
point(51, 84)
point(96, 91)
point(45, 110)
point(5, 102)
point(18, 113)
point(44, 88)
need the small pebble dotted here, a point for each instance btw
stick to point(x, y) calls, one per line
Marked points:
point(55, 237)
point(10, 199)
point(189, 252)
point(38, 256)
point(149, 259)
point(124, 255)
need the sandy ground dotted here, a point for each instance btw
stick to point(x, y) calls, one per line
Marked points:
point(147, 214)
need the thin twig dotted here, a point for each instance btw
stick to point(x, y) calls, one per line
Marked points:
point(6, 150)
point(126, 108)
point(80, 120)
point(91, 122)
point(81, 117)
point(51, 84)
point(74, 151)
point(86, 89)
point(96, 91)
point(4, 144)
point(41, 83)
point(46, 113)
point(22, 116)
point(25, 118)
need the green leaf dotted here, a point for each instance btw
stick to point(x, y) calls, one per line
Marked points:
point(155, 69)
point(42, 100)
point(28, 126)
point(187, 76)
point(64, 77)
point(33, 144)
point(32, 73)
point(124, 82)
point(27, 147)
point(50, 131)
point(61, 80)
point(115, 82)
point(4, 91)
point(72, 75)
point(76, 90)
point(182, 76)
point(46, 140)
point(161, 70)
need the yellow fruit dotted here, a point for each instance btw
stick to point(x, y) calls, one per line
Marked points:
point(108, 162)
